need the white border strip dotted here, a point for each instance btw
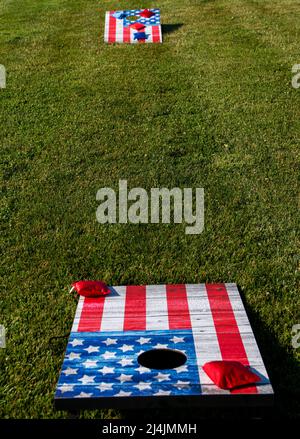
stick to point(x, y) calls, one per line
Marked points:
point(78, 314)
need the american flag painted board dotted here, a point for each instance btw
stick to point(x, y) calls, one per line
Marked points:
point(121, 30)
point(205, 322)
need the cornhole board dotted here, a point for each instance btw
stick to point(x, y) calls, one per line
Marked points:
point(120, 30)
point(205, 322)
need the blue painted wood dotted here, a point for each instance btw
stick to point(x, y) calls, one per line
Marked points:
point(100, 365)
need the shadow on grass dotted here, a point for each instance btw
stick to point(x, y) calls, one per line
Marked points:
point(282, 367)
point(169, 28)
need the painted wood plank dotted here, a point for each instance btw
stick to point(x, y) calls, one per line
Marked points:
point(132, 320)
point(156, 307)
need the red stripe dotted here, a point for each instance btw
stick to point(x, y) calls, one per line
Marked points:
point(126, 34)
point(91, 314)
point(112, 28)
point(155, 34)
point(229, 337)
point(135, 308)
point(178, 308)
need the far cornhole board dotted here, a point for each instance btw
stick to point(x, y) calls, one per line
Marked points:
point(120, 30)
point(203, 322)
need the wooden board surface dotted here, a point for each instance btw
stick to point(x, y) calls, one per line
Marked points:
point(120, 30)
point(205, 322)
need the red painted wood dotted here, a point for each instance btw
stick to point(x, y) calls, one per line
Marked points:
point(155, 34)
point(229, 337)
point(135, 308)
point(126, 34)
point(91, 314)
point(112, 28)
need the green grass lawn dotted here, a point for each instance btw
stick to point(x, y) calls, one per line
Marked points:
point(211, 107)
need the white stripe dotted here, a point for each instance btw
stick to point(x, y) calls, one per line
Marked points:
point(78, 314)
point(132, 32)
point(148, 30)
point(205, 337)
point(119, 31)
point(106, 27)
point(254, 357)
point(156, 307)
point(113, 310)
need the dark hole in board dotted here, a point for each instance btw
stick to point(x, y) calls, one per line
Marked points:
point(162, 359)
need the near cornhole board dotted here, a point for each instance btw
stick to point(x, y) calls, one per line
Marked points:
point(108, 363)
point(131, 27)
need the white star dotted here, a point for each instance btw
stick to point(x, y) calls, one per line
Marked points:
point(123, 378)
point(70, 371)
point(83, 395)
point(73, 356)
point(143, 386)
point(126, 348)
point(140, 352)
point(106, 370)
point(162, 393)
point(161, 346)
point(91, 349)
point(90, 363)
point(86, 379)
point(162, 376)
point(182, 384)
point(107, 355)
point(66, 388)
point(121, 393)
point(181, 369)
point(143, 340)
point(76, 342)
point(110, 341)
point(104, 386)
point(125, 361)
point(142, 369)
point(177, 339)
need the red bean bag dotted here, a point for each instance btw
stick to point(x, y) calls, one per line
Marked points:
point(91, 288)
point(146, 13)
point(230, 374)
point(137, 26)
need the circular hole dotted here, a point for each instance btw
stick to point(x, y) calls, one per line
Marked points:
point(162, 359)
point(132, 18)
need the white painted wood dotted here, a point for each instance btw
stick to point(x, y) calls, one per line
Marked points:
point(106, 27)
point(78, 314)
point(156, 307)
point(205, 337)
point(113, 310)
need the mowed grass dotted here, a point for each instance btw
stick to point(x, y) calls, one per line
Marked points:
point(211, 107)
